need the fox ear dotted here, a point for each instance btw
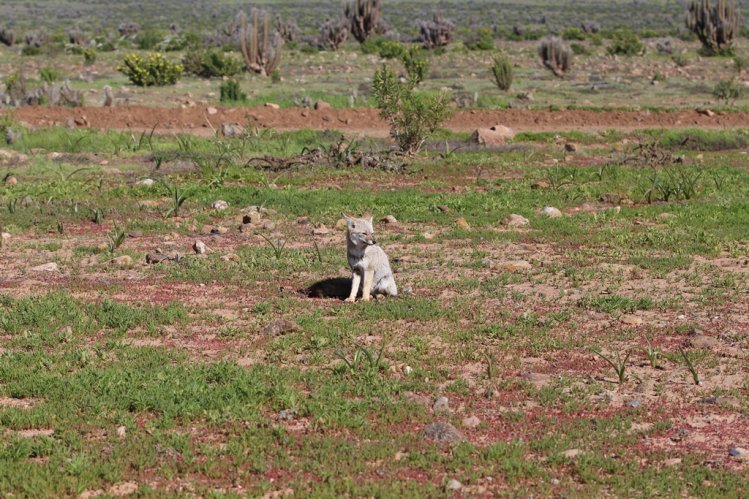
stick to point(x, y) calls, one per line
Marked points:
point(348, 218)
point(368, 216)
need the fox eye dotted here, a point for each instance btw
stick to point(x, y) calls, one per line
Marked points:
point(353, 226)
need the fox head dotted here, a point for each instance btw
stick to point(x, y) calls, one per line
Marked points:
point(360, 230)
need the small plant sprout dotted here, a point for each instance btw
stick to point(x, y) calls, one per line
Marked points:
point(115, 238)
point(97, 216)
point(619, 364)
point(652, 353)
point(278, 245)
point(690, 365)
point(178, 197)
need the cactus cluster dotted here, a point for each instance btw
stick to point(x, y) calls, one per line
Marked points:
point(7, 37)
point(77, 37)
point(715, 22)
point(364, 18)
point(438, 32)
point(289, 29)
point(555, 55)
point(261, 47)
point(334, 32)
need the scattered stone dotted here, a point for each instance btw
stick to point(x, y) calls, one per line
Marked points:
point(122, 261)
point(462, 223)
point(471, 422)
point(428, 235)
point(146, 182)
point(571, 453)
point(230, 131)
point(570, 147)
point(219, 230)
point(253, 217)
point(514, 220)
point(320, 230)
point(246, 228)
point(5, 236)
point(220, 205)
point(390, 219)
point(47, 267)
point(631, 320)
point(135, 233)
point(34, 433)
point(555, 481)
point(321, 104)
point(269, 225)
point(443, 208)
point(231, 257)
point(493, 136)
point(551, 212)
point(11, 180)
point(540, 184)
point(739, 453)
point(487, 263)
point(200, 248)
point(705, 111)
point(441, 406)
point(26, 201)
point(212, 110)
point(287, 414)
point(408, 370)
point(634, 403)
point(442, 433)
point(453, 484)
point(154, 258)
point(279, 327)
point(705, 342)
point(121, 432)
point(675, 461)
point(272, 105)
point(538, 380)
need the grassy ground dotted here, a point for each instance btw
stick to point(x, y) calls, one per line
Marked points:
point(183, 377)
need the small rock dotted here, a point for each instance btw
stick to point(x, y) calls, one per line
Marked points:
point(121, 432)
point(220, 205)
point(287, 414)
point(246, 228)
point(571, 453)
point(231, 257)
point(26, 201)
point(122, 261)
point(272, 105)
point(631, 320)
point(212, 110)
point(441, 406)
point(570, 147)
point(706, 112)
point(442, 433)
point(634, 403)
point(705, 342)
point(320, 230)
point(538, 380)
point(5, 236)
point(514, 220)
point(428, 235)
point(146, 182)
point(279, 327)
point(154, 258)
point(254, 217)
point(219, 230)
point(515, 266)
point(487, 263)
point(269, 225)
point(738, 453)
point(551, 212)
point(462, 223)
point(555, 481)
point(471, 422)
point(443, 208)
point(493, 136)
point(47, 267)
point(230, 131)
point(390, 219)
point(11, 180)
point(408, 370)
point(200, 248)
point(453, 484)
point(672, 462)
point(321, 104)
point(540, 184)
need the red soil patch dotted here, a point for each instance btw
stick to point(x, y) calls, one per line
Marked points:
point(196, 120)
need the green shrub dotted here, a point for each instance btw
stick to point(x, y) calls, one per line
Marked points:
point(681, 60)
point(211, 63)
point(231, 92)
point(387, 49)
point(148, 40)
point(579, 49)
point(89, 56)
point(182, 41)
point(484, 40)
point(275, 76)
point(149, 71)
point(573, 33)
point(49, 75)
point(416, 63)
point(30, 50)
point(740, 63)
point(728, 90)
point(413, 116)
point(503, 72)
point(625, 42)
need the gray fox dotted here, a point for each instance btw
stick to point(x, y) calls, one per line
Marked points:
point(368, 261)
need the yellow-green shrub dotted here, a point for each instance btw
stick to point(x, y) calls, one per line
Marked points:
point(154, 69)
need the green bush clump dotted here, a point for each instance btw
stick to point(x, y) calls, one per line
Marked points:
point(387, 49)
point(148, 40)
point(153, 70)
point(413, 116)
point(573, 33)
point(49, 75)
point(230, 91)
point(503, 73)
point(416, 63)
point(89, 56)
point(625, 42)
point(211, 63)
point(484, 40)
point(728, 90)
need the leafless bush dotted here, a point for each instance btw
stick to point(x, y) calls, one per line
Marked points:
point(438, 32)
point(334, 32)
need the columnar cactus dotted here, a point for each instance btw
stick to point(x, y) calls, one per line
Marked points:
point(289, 30)
point(334, 32)
point(364, 16)
point(7, 37)
point(77, 37)
point(261, 48)
point(715, 22)
point(555, 55)
point(436, 33)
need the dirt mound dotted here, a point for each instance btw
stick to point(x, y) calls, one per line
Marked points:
point(197, 120)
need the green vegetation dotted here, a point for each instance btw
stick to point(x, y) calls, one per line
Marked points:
point(154, 69)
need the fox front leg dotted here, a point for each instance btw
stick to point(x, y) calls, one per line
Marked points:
point(368, 278)
point(355, 281)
